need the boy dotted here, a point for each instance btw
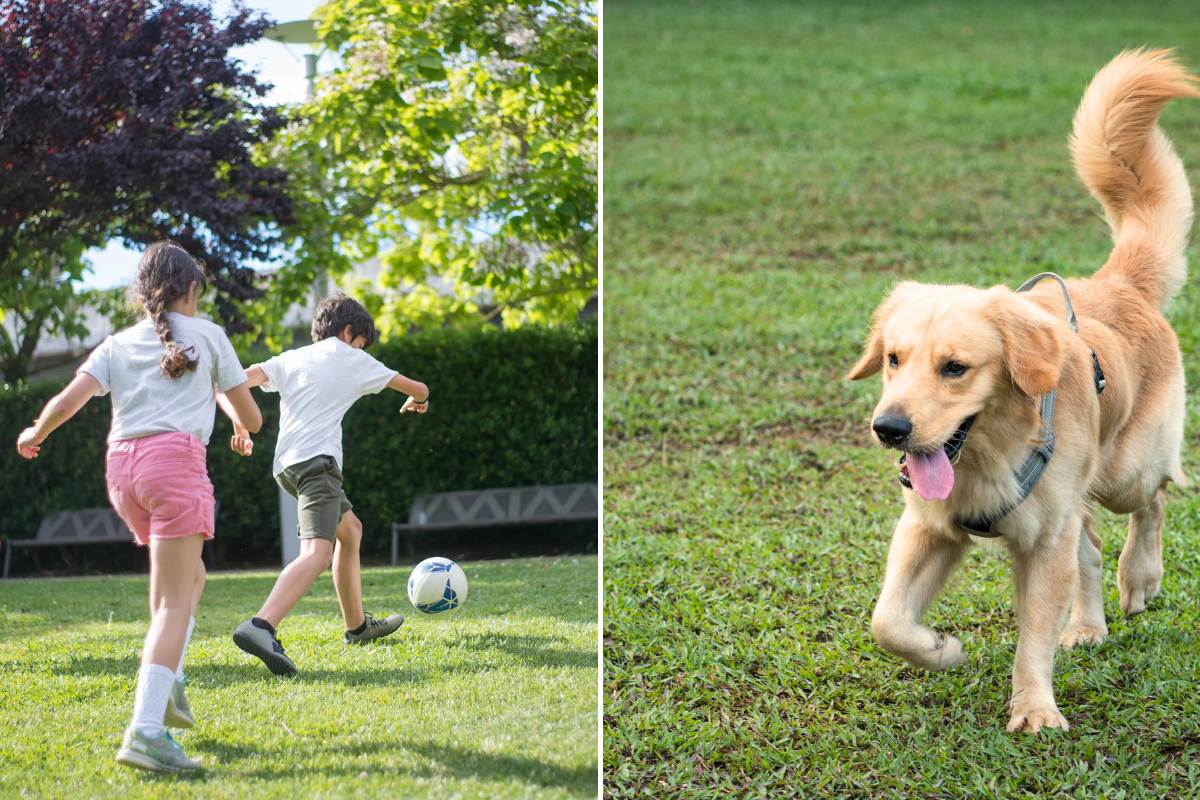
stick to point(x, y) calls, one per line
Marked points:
point(317, 384)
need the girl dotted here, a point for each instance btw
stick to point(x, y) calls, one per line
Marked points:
point(166, 375)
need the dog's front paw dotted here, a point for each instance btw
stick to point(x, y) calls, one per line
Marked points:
point(1083, 634)
point(1032, 720)
point(950, 654)
point(947, 653)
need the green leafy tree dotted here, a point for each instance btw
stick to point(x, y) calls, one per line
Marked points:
point(456, 142)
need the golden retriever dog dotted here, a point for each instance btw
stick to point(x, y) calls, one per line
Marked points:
point(1013, 424)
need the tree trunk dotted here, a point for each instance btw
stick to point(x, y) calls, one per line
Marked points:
point(15, 365)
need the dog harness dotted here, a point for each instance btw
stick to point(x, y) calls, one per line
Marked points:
point(1030, 471)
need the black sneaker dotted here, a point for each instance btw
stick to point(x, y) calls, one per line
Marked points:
point(374, 628)
point(262, 644)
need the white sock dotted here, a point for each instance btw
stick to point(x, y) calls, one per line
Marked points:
point(186, 639)
point(153, 690)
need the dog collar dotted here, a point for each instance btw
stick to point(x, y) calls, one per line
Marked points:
point(1027, 475)
point(1030, 471)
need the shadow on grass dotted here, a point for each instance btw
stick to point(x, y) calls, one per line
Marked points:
point(221, 752)
point(499, 766)
point(534, 650)
point(458, 762)
point(544, 587)
point(212, 676)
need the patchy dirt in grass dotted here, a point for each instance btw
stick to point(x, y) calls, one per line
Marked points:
point(803, 432)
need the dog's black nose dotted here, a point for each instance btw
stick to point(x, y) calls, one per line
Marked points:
point(892, 428)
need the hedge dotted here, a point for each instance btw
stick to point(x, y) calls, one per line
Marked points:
point(508, 408)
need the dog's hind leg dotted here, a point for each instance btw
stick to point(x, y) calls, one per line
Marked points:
point(1140, 570)
point(919, 562)
point(1087, 625)
point(1047, 576)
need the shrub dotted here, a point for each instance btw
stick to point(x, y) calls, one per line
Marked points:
point(509, 408)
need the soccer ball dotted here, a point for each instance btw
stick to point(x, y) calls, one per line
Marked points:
point(436, 585)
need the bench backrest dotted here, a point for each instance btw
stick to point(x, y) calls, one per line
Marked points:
point(100, 524)
point(572, 501)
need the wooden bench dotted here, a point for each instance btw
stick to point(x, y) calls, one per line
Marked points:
point(87, 526)
point(493, 508)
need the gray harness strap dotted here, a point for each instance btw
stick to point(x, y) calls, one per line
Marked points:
point(1027, 476)
point(1029, 284)
point(1030, 471)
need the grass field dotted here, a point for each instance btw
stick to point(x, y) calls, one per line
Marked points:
point(496, 699)
point(771, 169)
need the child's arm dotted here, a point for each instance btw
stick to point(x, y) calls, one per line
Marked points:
point(244, 412)
point(255, 376)
point(240, 407)
point(240, 442)
point(58, 410)
point(413, 389)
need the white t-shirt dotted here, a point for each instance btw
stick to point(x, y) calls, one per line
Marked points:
point(144, 400)
point(317, 385)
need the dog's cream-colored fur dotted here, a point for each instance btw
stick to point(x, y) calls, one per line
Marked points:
point(1119, 449)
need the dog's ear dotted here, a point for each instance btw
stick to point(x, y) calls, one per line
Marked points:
point(872, 357)
point(871, 360)
point(1034, 350)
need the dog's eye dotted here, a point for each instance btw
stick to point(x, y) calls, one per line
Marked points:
point(893, 361)
point(953, 369)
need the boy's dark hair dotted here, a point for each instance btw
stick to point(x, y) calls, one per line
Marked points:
point(335, 313)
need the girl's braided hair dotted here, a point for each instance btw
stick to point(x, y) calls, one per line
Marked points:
point(165, 274)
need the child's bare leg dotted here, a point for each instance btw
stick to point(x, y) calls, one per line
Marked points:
point(172, 583)
point(347, 573)
point(197, 591)
point(347, 579)
point(201, 575)
point(297, 577)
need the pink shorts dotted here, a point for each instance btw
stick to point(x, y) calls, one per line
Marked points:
point(159, 485)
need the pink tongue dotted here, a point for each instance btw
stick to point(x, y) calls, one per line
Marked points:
point(931, 474)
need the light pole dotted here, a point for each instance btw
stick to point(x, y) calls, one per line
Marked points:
point(304, 31)
point(301, 31)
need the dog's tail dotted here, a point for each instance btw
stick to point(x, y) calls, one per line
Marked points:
point(1128, 164)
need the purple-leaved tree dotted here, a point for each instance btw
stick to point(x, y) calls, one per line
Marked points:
point(126, 119)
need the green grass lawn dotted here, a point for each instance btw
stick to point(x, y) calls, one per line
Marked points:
point(496, 699)
point(771, 170)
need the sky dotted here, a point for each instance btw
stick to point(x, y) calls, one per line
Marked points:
point(278, 64)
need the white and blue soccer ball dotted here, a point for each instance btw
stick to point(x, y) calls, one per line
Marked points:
point(436, 585)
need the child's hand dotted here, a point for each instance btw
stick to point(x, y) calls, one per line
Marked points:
point(240, 442)
point(27, 443)
point(412, 406)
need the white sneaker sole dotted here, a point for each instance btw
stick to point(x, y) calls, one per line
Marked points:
point(132, 758)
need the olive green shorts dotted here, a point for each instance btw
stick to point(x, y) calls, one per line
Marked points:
point(317, 485)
